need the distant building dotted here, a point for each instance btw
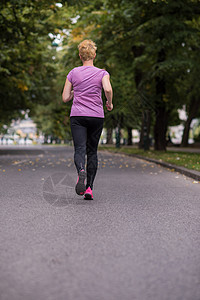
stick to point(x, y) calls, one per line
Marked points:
point(21, 132)
point(24, 127)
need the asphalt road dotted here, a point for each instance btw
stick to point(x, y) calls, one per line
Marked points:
point(138, 240)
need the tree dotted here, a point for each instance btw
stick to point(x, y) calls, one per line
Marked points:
point(189, 86)
point(26, 63)
point(29, 67)
point(163, 28)
point(140, 43)
point(144, 38)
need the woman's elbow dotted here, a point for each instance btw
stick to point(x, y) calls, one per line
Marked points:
point(108, 91)
point(107, 88)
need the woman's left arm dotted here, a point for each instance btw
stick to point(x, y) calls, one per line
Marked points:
point(67, 94)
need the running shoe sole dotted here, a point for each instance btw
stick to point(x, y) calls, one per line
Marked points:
point(80, 186)
point(88, 197)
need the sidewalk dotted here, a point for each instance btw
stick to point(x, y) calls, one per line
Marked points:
point(187, 149)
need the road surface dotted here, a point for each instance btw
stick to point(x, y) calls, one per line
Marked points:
point(138, 240)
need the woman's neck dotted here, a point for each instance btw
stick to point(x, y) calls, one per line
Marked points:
point(87, 63)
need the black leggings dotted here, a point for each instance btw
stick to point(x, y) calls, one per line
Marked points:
point(86, 132)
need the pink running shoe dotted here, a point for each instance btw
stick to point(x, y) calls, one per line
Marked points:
point(88, 194)
point(80, 185)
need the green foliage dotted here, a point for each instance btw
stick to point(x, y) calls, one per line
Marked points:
point(184, 159)
point(25, 61)
point(53, 120)
point(29, 72)
point(150, 48)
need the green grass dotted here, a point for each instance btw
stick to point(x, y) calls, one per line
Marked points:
point(188, 160)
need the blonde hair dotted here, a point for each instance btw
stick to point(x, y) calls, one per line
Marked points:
point(87, 50)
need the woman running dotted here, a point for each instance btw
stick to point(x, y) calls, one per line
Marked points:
point(87, 115)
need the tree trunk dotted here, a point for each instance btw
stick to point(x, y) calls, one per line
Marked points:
point(146, 120)
point(193, 111)
point(160, 128)
point(118, 136)
point(138, 51)
point(109, 139)
point(145, 130)
point(141, 142)
point(147, 127)
point(129, 129)
point(186, 132)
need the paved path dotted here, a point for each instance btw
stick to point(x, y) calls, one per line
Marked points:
point(185, 149)
point(138, 240)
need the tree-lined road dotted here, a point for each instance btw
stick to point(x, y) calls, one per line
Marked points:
point(138, 240)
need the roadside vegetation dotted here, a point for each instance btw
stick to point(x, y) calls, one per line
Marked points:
point(188, 160)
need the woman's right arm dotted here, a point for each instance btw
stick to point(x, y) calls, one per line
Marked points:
point(67, 94)
point(108, 91)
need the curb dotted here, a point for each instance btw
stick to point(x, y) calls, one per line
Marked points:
point(189, 173)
